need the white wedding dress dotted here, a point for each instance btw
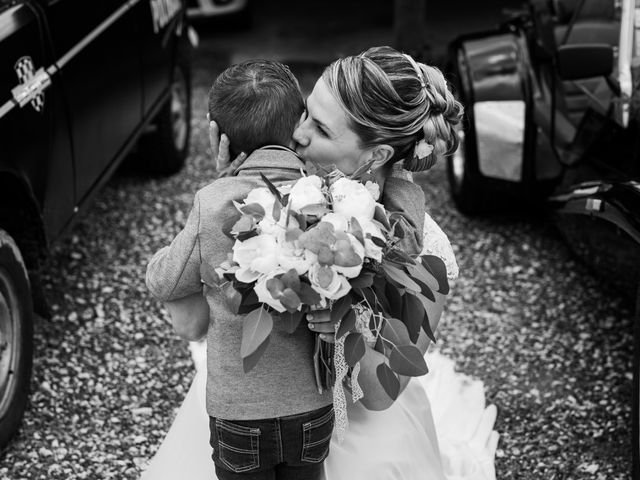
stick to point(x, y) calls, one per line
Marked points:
point(439, 428)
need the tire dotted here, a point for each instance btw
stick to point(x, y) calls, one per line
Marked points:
point(16, 338)
point(635, 431)
point(469, 190)
point(164, 150)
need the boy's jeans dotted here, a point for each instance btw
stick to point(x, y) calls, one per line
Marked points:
point(284, 448)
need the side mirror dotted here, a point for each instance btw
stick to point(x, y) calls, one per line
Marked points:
point(587, 60)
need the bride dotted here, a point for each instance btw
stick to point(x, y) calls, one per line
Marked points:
point(439, 427)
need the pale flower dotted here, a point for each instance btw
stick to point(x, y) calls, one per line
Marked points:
point(374, 189)
point(263, 197)
point(306, 191)
point(269, 226)
point(255, 255)
point(263, 293)
point(299, 259)
point(337, 287)
point(352, 199)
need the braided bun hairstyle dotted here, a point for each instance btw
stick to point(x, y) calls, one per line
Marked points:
point(389, 98)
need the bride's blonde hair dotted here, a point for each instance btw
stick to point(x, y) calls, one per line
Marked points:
point(391, 99)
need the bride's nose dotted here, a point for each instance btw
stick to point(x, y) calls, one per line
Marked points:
point(300, 135)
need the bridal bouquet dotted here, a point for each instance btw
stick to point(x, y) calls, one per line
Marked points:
point(327, 243)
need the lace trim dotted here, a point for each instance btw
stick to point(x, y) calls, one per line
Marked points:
point(437, 243)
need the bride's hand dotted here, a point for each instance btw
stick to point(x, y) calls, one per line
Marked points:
point(320, 322)
point(220, 150)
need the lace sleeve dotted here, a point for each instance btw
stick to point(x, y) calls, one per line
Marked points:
point(437, 243)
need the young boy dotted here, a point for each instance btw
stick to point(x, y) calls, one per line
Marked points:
point(270, 422)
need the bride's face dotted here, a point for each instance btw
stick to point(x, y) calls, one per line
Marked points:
point(324, 136)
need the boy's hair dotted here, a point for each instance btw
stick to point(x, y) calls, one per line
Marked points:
point(256, 103)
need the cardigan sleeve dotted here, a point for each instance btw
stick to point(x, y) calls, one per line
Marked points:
point(174, 271)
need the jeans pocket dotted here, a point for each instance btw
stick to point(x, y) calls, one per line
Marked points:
point(316, 437)
point(237, 446)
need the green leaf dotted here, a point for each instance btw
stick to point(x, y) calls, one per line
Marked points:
point(308, 295)
point(292, 234)
point(425, 290)
point(368, 295)
point(290, 300)
point(276, 211)
point(355, 229)
point(412, 315)
point(208, 274)
point(354, 348)
point(398, 256)
point(233, 298)
point(395, 331)
point(418, 271)
point(252, 360)
point(272, 188)
point(291, 280)
point(275, 287)
point(316, 210)
point(347, 324)
point(245, 224)
point(256, 327)
point(395, 300)
point(254, 210)
point(399, 276)
point(291, 320)
point(407, 360)
point(388, 380)
point(340, 308)
point(376, 240)
point(381, 217)
point(436, 267)
point(429, 306)
point(365, 279)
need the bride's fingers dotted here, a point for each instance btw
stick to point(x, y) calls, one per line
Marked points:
point(234, 165)
point(222, 159)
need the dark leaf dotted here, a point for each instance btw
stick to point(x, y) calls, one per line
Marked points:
point(381, 217)
point(291, 320)
point(365, 279)
point(227, 226)
point(420, 273)
point(347, 324)
point(315, 210)
point(368, 295)
point(395, 331)
point(251, 361)
point(354, 348)
point(377, 241)
point(407, 360)
point(425, 290)
point(379, 288)
point(355, 229)
point(275, 286)
point(273, 189)
point(388, 380)
point(426, 326)
point(399, 276)
point(243, 225)
point(289, 300)
point(308, 295)
point(436, 267)
point(256, 327)
point(208, 274)
point(398, 256)
point(242, 236)
point(340, 307)
point(433, 311)
point(276, 211)
point(291, 280)
point(395, 300)
point(412, 315)
point(254, 210)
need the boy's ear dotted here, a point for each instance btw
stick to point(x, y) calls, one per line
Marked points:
point(380, 155)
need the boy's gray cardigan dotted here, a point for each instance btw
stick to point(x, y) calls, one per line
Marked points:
point(283, 382)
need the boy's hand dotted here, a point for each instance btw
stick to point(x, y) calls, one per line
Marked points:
point(220, 150)
point(320, 322)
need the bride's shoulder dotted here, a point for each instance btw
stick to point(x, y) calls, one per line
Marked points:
point(437, 243)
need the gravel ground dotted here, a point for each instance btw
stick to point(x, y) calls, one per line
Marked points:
point(552, 344)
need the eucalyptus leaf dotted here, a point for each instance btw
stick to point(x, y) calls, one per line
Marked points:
point(252, 360)
point(276, 211)
point(256, 327)
point(419, 272)
point(254, 210)
point(395, 331)
point(436, 267)
point(407, 360)
point(388, 380)
point(355, 229)
point(412, 314)
point(243, 225)
point(354, 348)
point(431, 310)
point(290, 300)
point(381, 216)
point(291, 279)
point(347, 324)
point(340, 308)
point(401, 277)
point(365, 279)
point(272, 188)
point(291, 320)
point(308, 295)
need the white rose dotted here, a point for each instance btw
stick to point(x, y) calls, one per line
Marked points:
point(277, 229)
point(299, 259)
point(263, 293)
point(340, 222)
point(306, 191)
point(255, 255)
point(337, 287)
point(352, 199)
point(372, 250)
point(263, 197)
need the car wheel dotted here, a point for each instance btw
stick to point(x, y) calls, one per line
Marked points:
point(16, 338)
point(635, 431)
point(164, 150)
point(468, 189)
